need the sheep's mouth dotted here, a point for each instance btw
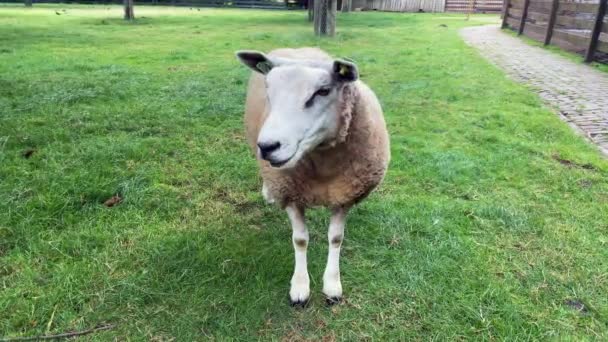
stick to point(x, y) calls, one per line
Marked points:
point(279, 163)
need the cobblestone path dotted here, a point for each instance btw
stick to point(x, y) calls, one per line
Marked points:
point(579, 92)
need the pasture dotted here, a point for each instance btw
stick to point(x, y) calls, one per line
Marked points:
point(492, 222)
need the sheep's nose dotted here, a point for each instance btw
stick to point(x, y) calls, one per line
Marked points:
point(267, 148)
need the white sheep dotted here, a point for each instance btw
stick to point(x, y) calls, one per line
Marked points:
point(320, 140)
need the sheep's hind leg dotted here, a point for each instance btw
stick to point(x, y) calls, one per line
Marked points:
point(299, 294)
point(332, 287)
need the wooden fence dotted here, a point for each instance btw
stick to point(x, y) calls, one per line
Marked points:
point(473, 6)
point(406, 5)
point(260, 4)
point(369, 5)
point(476, 6)
point(579, 27)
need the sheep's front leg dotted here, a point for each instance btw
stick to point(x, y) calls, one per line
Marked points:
point(332, 288)
point(300, 283)
point(266, 194)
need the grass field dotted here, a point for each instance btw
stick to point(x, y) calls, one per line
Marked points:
point(491, 224)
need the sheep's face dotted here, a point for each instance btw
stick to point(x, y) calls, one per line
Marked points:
point(303, 100)
point(302, 113)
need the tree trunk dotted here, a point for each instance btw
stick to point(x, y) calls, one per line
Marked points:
point(311, 11)
point(28, 3)
point(325, 17)
point(346, 5)
point(129, 10)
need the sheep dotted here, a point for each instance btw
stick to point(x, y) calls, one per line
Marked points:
point(320, 139)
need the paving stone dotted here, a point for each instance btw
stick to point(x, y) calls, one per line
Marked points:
point(577, 91)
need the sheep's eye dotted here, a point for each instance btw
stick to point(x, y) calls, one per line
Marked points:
point(323, 92)
point(320, 92)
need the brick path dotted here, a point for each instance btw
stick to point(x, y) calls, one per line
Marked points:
point(577, 91)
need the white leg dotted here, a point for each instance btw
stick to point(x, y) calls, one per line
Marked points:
point(300, 283)
point(266, 194)
point(332, 288)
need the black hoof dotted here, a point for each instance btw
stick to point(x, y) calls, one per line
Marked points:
point(330, 301)
point(299, 303)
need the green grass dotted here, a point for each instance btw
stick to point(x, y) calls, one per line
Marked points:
point(479, 231)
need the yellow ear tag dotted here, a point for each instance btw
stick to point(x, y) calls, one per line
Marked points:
point(343, 70)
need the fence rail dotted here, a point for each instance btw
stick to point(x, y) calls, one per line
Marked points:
point(259, 4)
point(406, 5)
point(579, 27)
point(482, 6)
point(473, 5)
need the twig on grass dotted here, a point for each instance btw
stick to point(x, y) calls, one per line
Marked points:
point(58, 336)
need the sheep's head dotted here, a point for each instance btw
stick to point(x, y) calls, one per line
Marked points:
point(304, 103)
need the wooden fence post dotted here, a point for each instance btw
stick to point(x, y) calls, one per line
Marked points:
point(524, 14)
point(551, 23)
point(505, 13)
point(595, 34)
point(311, 11)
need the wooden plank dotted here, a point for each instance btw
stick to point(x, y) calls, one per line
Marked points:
point(597, 28)
point(540, 6)
point(551, 24)
point(516, 12)
point(536, 17)
point(522, 22)
point(564, 44)
point(536, 32)
point(517, 3)
point(407, 5)
point(254, 4)
point(578, 7)
point(478, 5)
point(536, 29)
point(513, 22)
point(570, 41)
point(570, 22)
point(602, 46)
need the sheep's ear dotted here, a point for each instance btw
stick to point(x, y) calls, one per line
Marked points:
point(345, 71)
point(256, 61)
